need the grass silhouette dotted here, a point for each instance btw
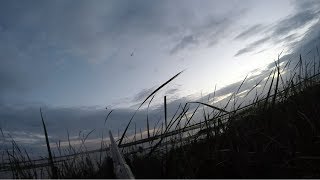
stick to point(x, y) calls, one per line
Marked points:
point(276, 136)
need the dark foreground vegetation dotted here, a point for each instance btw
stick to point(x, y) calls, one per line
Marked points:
point(277, 136)
point(281, 141)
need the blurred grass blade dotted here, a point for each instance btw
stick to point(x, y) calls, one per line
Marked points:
point(53, 169)
point(160, 87)
point(210, 106)
point(107, 117)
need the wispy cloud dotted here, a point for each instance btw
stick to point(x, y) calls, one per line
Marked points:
point(210, 32)
point(252, 46)
point(282, 31)
point(185, 42)
point(250, 32)
point(172, 91)
point(140, 96)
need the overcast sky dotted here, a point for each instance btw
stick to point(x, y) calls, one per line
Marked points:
point(74, 58)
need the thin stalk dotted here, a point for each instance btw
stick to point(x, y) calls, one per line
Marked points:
point(276, 88)
point(148, 116)
point(53, 169)
point(268, 95)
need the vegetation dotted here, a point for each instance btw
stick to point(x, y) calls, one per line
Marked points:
point(276, 136)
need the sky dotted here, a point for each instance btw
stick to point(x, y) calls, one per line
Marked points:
point(75, 58)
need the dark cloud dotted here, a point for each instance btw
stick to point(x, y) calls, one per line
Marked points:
point(2, 28)
point(172, 91)
point(140, 96)
point(310, 41)
point(285, 58)
point(253, 46)
point(219, 29)
point(14, 80)
point(9, 82)
point(186, 41)
point(294, 22)
point(24, 123)
point(290, 38)
point(306, 5)
point(305, 13)
point(209, 32)
point(47, 24)
point(251, 31)
point(32, 28)
point(47, 35)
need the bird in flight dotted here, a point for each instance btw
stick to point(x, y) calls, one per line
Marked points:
point(133, 52)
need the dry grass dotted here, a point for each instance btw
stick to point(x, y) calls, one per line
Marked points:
point(277, 136)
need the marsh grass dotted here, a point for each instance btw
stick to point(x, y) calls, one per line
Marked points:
point(277, 135)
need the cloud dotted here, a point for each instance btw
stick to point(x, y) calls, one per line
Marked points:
point(208, 33)
point(43, 25)
point(251, 31)
point(283, 31)
point(22, 137)
point(30, 33)
point(24, 123)
point(294, 22)
point(1, 28)
point(13, 76)
point(186, 41)
point(9, 82)
point(252, 46)
point(37, 26)
point(306, 5)
point(140, 96)
point(39, 38)
point(290, 38)
point(172, 91)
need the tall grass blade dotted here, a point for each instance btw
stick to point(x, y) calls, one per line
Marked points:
point(165, 110)
point(107, 117)
point(269, 91)
point(53, 169)
point(277, 83)
point(211, 106)
point(121, 139)
point(148, 116)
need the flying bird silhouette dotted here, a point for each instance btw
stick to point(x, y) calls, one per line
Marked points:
point(133, 52)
